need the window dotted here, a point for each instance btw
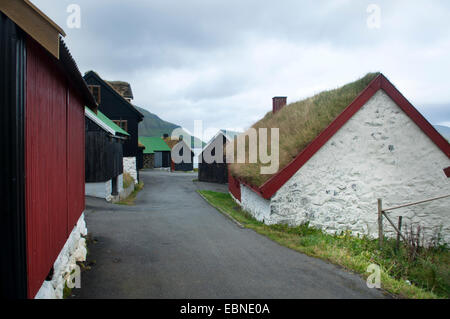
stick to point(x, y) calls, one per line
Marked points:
point(95, 90)
point(122, 124)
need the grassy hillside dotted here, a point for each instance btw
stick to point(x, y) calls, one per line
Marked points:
point(153, 126)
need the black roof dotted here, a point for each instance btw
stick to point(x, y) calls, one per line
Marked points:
point(114, 91)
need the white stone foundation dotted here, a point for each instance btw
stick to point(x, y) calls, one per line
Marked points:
point(130, 167)
point(74, 250)
point(104, 189)
point(99, 190)
point(255, 204)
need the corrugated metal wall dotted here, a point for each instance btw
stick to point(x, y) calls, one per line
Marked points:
point(54, 163)
point(75, 154)
point(104, 155)
point(13, 276)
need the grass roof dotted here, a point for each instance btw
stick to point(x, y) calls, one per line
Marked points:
point(300, 123)
point(154, 144)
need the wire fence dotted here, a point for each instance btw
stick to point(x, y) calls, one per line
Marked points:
point(382, 212)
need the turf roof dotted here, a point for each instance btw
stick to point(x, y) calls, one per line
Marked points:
point(300, 123)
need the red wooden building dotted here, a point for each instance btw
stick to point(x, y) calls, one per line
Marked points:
point(42, 96)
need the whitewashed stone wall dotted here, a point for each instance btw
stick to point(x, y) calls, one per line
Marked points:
point(129, 166)
point(255, 204)
point(100, 190)
point(379, 153)
point(104, 189)
point(120, 183)
point(74, 250)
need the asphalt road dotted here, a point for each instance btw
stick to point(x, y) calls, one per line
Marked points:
point(173, 244)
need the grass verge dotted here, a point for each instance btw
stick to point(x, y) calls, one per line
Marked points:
point(129, 201)
point(428, 276)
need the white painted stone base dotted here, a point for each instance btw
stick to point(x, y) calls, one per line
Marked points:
point(74, 250)
point(129, 166)
point(99, 190)
point(104, 189)
point(120, 183)
point(255, 205)
point(235, 199)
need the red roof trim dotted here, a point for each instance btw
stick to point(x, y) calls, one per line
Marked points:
point(447, 171)
point(269, 188)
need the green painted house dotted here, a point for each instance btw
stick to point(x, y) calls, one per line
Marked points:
point(156, 153)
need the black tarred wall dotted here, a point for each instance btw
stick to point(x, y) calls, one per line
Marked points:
point(13, 271)
point(104, 154)
point(116, 108)
point(214, 172)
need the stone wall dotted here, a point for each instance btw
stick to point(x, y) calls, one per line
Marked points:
point(379, 153)
point(120, 183)
point(129, 166)
point(104, 189)
point(74, 250)
point(255, 204)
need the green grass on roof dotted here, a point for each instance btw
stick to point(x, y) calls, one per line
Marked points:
point(154, 144)
point(300, 123)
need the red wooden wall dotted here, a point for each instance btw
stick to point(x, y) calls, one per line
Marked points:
point(234, 186)
point(54, 163)
point(75, 159)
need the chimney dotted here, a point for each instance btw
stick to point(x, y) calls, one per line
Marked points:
point(278, 103)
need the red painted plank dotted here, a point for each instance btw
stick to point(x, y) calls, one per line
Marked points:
point(234, 186)
point(447, 171)
point(75, 158)
point(54, 159)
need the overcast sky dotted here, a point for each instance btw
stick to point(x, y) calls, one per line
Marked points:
point(223, 61)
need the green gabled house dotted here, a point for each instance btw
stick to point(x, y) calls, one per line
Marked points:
point(103, 156)
point(156, 153)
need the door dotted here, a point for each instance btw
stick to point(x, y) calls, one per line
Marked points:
point(158, 159)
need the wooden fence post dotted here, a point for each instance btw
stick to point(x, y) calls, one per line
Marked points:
point(399, 231)
point(380, 222)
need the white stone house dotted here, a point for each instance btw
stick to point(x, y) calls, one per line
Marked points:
point(380, 146)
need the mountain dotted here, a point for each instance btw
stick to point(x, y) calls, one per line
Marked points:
point(154, 126)
point(443, 130)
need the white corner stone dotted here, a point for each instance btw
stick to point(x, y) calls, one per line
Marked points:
point(130, 167)
point(74, 250)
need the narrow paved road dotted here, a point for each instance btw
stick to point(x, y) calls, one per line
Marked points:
point(173, 244)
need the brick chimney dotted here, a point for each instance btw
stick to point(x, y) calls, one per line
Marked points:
point(278, 103)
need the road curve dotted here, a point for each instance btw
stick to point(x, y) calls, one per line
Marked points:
point(173, 244)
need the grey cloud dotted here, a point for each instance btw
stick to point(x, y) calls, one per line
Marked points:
point(143, 42)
